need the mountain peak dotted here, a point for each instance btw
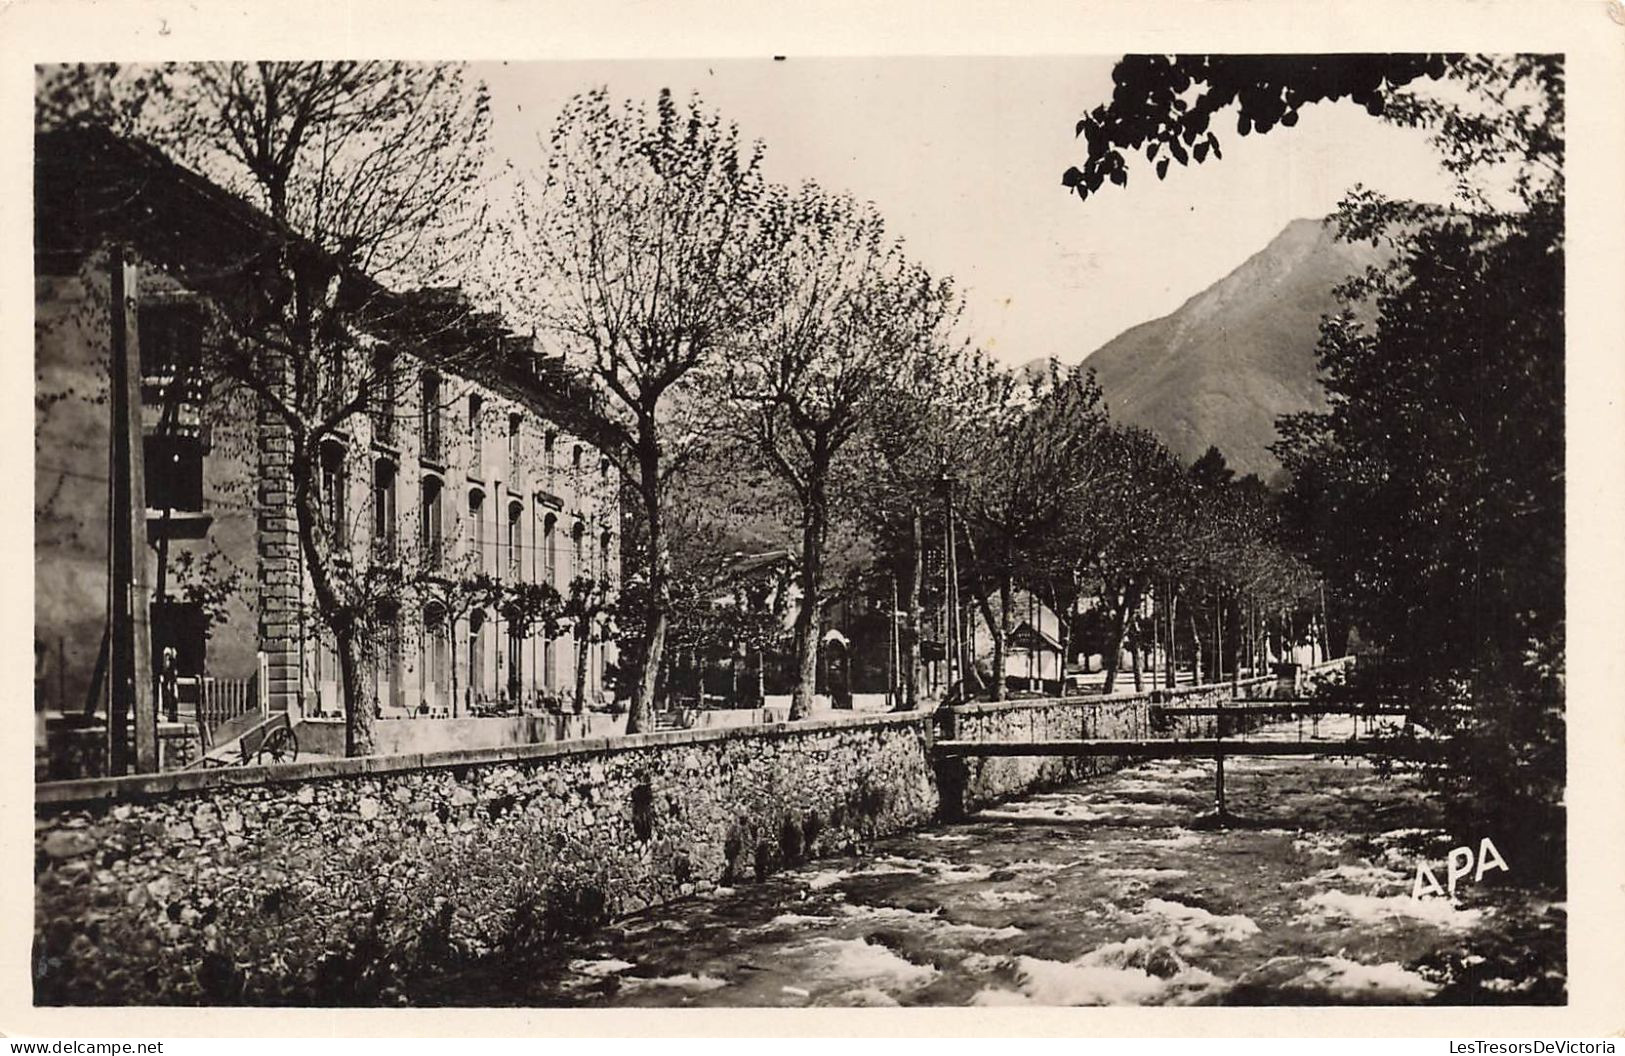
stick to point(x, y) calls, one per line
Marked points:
point(1224, 365)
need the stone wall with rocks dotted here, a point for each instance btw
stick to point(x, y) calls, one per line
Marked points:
point(325, 882)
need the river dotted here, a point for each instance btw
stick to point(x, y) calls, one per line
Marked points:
point(1108, 892)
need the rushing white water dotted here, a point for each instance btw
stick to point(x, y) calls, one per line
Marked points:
point(1111, 892)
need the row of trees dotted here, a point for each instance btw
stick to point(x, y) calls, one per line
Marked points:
point(721, 320)
point(1131, 549)
point(729, 321)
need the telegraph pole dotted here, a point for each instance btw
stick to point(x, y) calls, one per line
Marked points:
point(956, 628)
point(131, 642)
point(947, 588)
point(892, 659)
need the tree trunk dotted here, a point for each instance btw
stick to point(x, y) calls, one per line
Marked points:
point(358, 718)
point(451, 659)
point(912, 668)
point(640, 715)
point(1152, 658)
point(1130, 601)
point(1172, 680)
point(1064, 625)
point(965, 645)
point(583, 645)
point(358, 714)
point(991, 620)
point(1260, 662)
point(1001, 641)
point(1196, 646)
point(761, 678)
point(813, 514)
point(1134, 660)
point(1113, 645)
point(1235, 665)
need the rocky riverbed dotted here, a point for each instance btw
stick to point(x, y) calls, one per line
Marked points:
point(1116, 891)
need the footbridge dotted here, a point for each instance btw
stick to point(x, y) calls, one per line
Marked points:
point(1213, 728)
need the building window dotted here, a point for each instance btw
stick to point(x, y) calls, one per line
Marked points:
point(181, 626)
point(384, 396)
point(550, 556)
point(516, 663)
point(575, 468)
point(476, 444)
point(328, 677)
point(433, 537)
point(173, 469)
point(577, 535)
point(515, 535)
point(170, 339)
point(388, 685)
point(170, 343)
point(431, 440)
point(605, 541)
point(334, 485)
point(476, 523)
point(548, 446)
point(435, 687)
point(335, 379)
point(383, 509)
point(515, 451)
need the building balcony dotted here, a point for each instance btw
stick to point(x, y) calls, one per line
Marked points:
point(177, 524)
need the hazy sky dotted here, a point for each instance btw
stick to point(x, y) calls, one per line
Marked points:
point(964, 158)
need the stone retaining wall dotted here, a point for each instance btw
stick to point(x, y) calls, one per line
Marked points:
point(327, 882)
point(322, 882)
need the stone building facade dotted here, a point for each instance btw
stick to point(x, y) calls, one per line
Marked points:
point(450, 475)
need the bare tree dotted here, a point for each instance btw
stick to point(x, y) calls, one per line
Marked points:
point(916, 440)
point(640, 251)
point(1036, 457)
point(842, 317)
point(365, 173)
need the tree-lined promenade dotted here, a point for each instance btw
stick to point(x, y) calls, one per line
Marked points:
point(769, 362)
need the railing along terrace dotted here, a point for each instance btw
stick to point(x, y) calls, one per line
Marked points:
point(216, 701)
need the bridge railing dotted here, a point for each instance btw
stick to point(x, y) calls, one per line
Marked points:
point(1129, 716)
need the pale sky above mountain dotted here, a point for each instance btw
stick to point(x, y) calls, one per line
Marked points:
point(964, 157)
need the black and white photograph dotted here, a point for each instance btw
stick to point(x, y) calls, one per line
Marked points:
point(801, 532)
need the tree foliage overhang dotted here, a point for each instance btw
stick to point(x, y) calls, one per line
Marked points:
point(1165, 105)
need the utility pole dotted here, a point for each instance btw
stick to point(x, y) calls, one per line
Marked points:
point(1325, 624)
point(131, 643)
point(953, 582)
point(893, 697)
point(948, 642)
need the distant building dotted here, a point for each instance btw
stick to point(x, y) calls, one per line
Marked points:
point(450, 468)
point(1032, 649)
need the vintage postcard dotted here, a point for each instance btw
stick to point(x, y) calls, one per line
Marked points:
point(1061, 511)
